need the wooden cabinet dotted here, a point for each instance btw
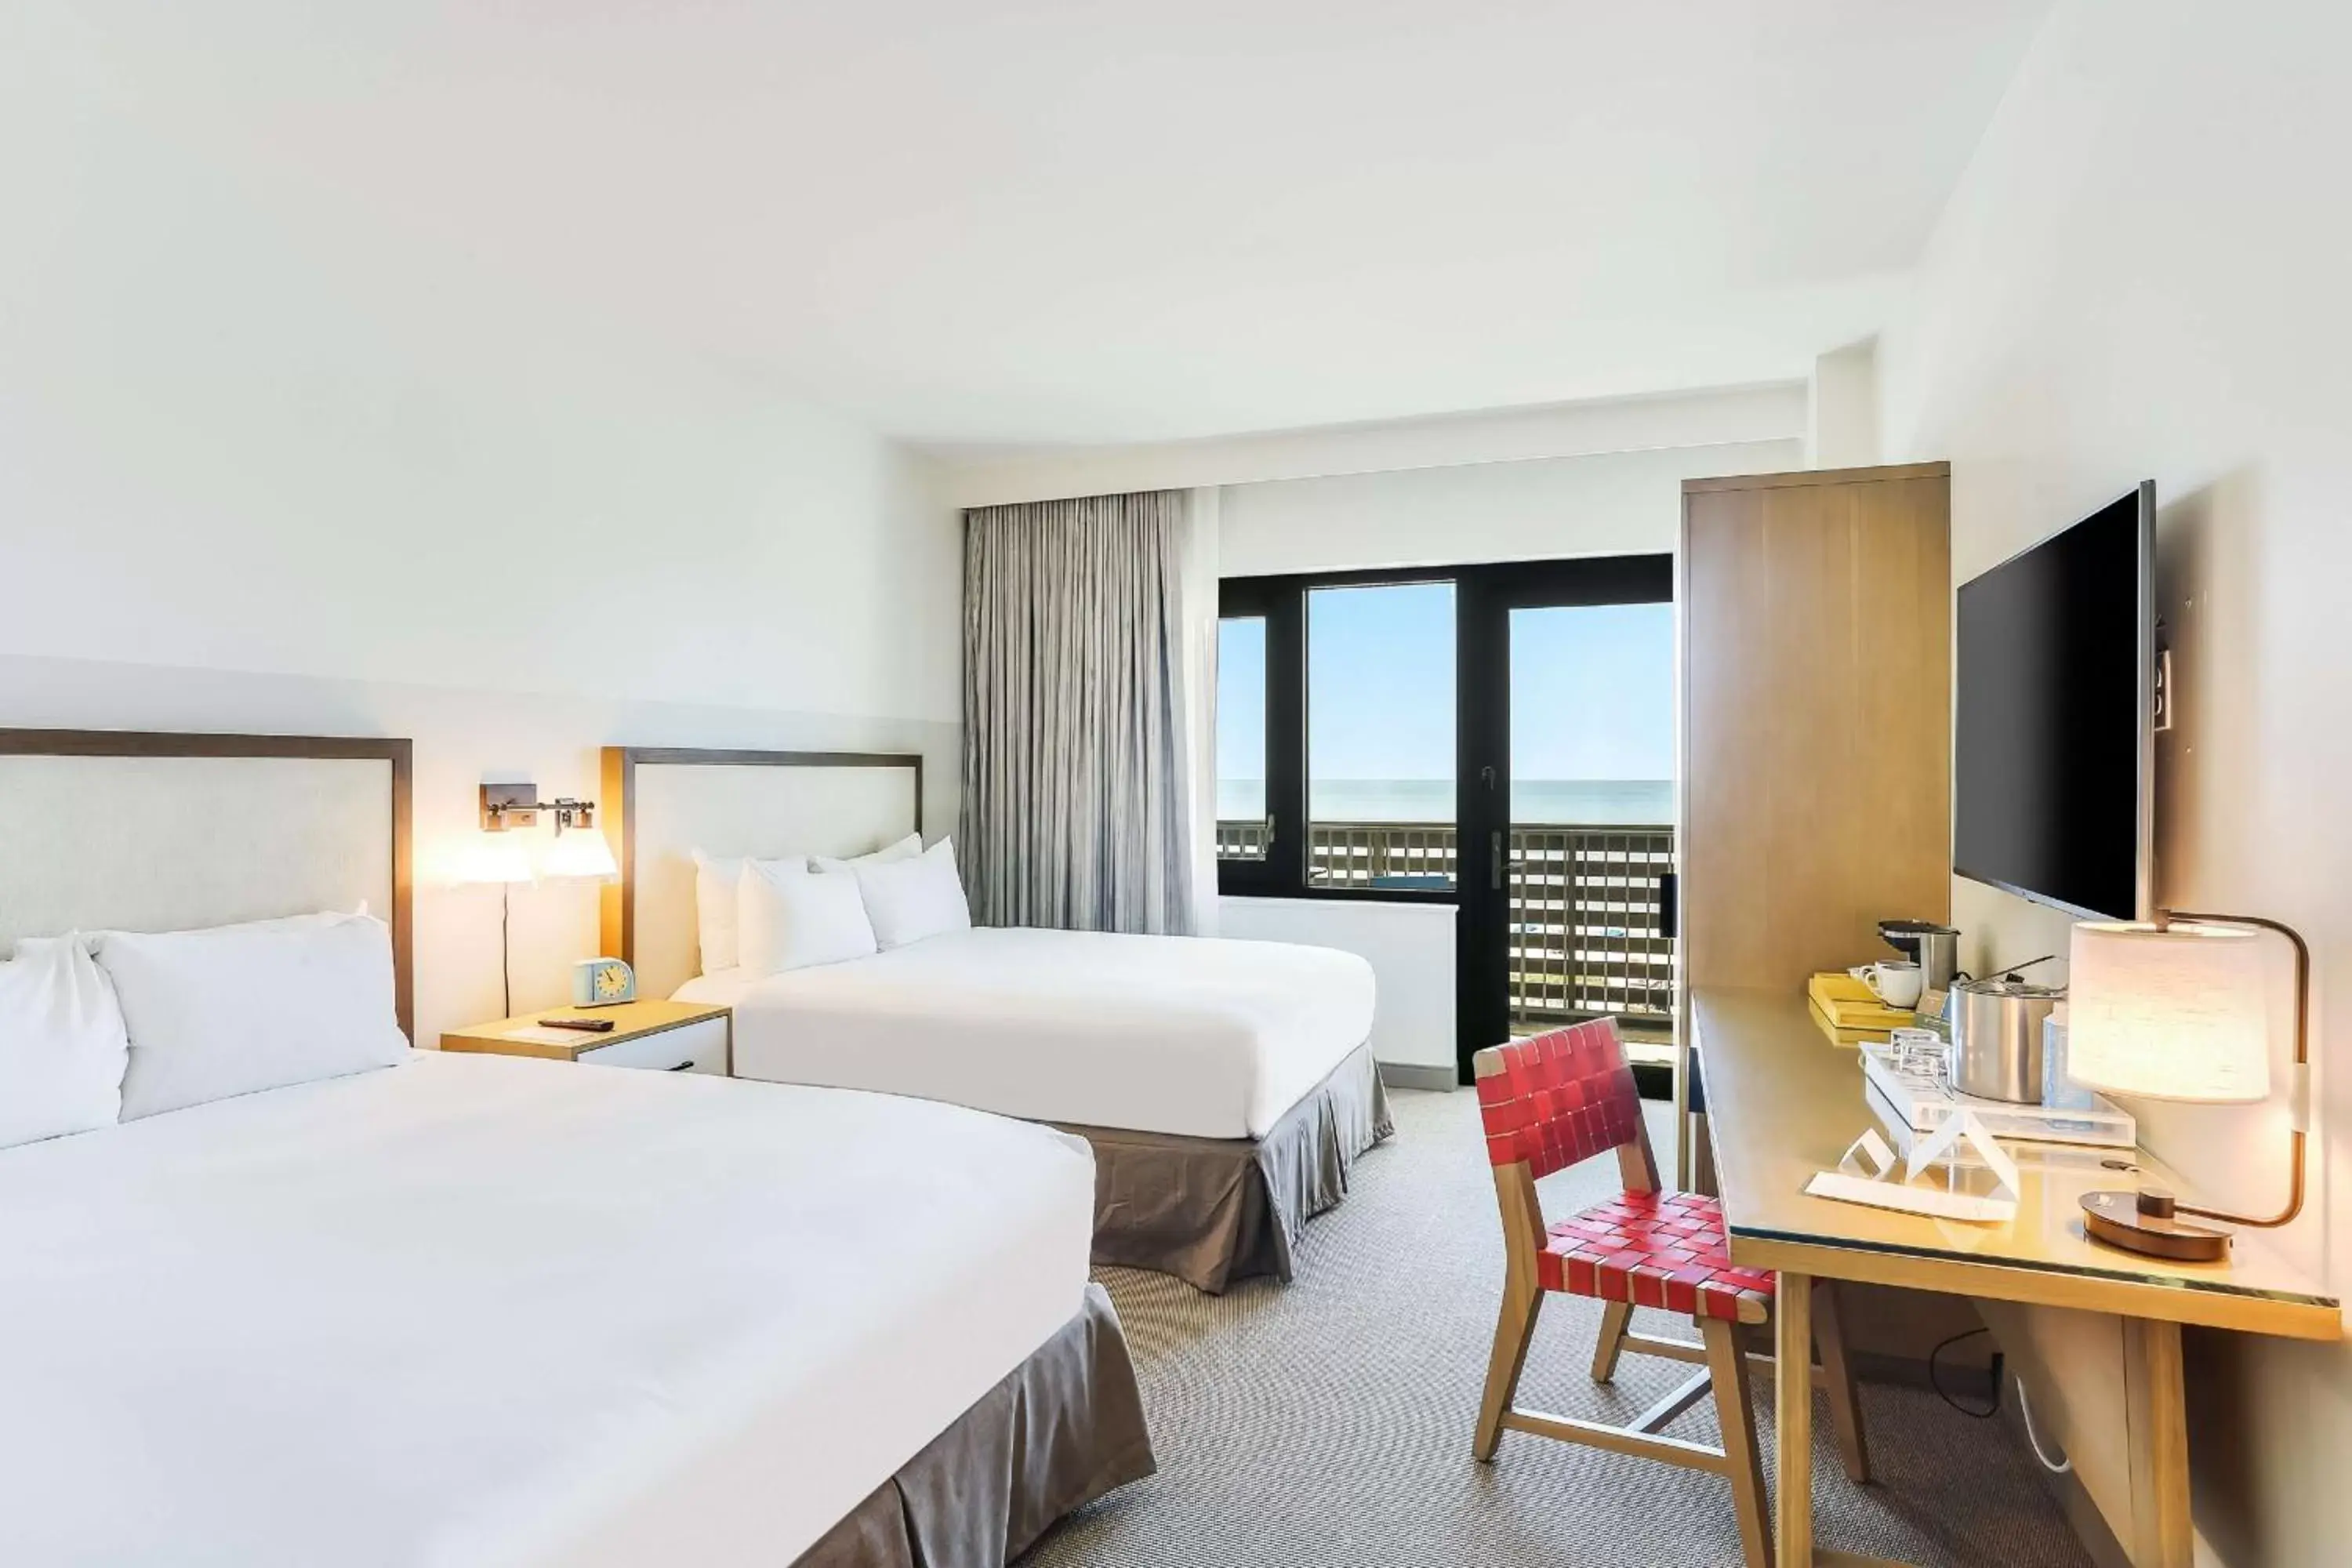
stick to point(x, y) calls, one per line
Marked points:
point(1816, 725)
point(1816, 663)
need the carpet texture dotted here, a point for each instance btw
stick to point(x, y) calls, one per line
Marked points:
point(1328, 1421)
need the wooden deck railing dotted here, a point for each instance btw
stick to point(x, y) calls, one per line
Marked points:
point(1589, 932)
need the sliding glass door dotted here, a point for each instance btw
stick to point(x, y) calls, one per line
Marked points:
point(1590, 862)
point(1380, 743)
point(1497, 737)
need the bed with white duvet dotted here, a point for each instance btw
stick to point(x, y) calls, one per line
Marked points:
point(1226, 1088)
point(1189, 1036)
point(277, 1289)
point(484, 1311)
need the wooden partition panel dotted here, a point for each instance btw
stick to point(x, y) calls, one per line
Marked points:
point(1816, 717)
point(1816, 756)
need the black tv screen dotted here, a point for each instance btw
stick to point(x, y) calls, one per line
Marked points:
point(2053, 735)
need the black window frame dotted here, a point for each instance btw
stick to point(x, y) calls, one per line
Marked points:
point(1282, 600)
point(1241, 598)
point(1244, 599)
point(1483, 592)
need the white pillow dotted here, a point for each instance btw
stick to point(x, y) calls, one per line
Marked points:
point(907, 848)
point(790, 917)
point(908, 900)
point(245, 1007)
point(62, 1045)
point(714, 910)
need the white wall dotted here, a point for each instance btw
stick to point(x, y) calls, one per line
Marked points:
point(1706, 418)
point(2143, 274)
point(1409, 946)
point(1842, 408)
point(295, 473)
point(269, 462)
point(1615, 503)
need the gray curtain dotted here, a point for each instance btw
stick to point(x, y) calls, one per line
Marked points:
point(1075, 811)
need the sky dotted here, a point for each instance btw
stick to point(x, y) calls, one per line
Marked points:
point(1591, 689)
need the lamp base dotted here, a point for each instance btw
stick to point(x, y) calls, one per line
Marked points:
point(2143, 1222)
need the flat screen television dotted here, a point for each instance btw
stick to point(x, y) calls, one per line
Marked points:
point(2055, 738)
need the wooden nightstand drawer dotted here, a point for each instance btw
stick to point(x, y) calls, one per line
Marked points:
point(665, 1036)
point(690, 1047)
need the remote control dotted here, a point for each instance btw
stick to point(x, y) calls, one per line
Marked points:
point(585, 1026)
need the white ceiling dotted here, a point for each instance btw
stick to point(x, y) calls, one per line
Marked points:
point(1028, 223)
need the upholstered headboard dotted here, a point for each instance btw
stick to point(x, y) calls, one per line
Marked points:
point(128, 830)
point(663, 803)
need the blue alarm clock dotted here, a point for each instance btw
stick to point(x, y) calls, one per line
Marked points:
point(602, 982)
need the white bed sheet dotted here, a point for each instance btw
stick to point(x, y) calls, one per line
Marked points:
point(1191, 1036)
point(488, 1311)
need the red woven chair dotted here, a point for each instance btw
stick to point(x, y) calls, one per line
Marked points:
point(1562, 1098)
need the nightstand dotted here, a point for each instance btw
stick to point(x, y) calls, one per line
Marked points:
point(667, 1037)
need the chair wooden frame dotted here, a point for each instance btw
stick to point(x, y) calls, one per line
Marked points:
point(1720, 1354)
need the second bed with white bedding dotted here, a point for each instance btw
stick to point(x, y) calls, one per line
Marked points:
point(479, 1310)
point(1193, 1036)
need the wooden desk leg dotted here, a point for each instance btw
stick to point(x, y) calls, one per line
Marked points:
point(1793, 1417)
point(1700, 1177)
point(1846, 1403)
point(2156, 1415)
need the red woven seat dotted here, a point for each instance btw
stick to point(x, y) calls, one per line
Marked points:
point(1655, 1249)
point(1558, 1100)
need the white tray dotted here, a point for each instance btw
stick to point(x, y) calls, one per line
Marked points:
point(1925, 1102)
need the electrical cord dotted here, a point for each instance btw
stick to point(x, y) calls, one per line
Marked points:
point(2026, 1410)
point(506, 978)
point(1990, 1411)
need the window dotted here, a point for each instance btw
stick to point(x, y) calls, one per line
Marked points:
point(1242, 824)
point(1366, 748)
point(1494, 737)
point(1610, 668)
point(1381, 737)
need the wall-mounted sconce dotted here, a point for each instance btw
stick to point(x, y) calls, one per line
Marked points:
point(506, 805)
point(572, 854)
point(506, 861)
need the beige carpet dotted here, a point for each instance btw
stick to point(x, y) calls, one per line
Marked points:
point(1328, 1421)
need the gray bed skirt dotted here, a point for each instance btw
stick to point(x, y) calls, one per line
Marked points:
point(1214, 1210)
point(1063, 1428)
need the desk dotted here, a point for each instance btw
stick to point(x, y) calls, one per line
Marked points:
point(1783, 1103)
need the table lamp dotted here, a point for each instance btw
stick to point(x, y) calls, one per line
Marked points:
point(2175, 1009)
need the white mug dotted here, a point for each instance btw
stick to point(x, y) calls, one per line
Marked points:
point(1895, 983)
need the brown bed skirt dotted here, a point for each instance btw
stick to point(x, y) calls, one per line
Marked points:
point(1214, 1210)
point(1063, 1428)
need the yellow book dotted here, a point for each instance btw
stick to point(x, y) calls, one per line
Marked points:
point(1844, 1036)
point(1848, 1004)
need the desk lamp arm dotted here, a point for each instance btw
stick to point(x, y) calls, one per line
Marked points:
point(2300, 1089)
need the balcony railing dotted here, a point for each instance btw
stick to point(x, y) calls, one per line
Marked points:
point(1590, 931)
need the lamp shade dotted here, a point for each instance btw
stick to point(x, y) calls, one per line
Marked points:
point(496, 858)
point(2171, 1013)
point(581, 852)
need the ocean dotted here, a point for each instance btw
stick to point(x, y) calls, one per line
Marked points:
point(1645, 802)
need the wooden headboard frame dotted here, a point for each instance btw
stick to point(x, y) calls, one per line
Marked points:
point(326, 748)
point(617, 801)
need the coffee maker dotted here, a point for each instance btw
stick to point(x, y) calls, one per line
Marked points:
point(1935, 948)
